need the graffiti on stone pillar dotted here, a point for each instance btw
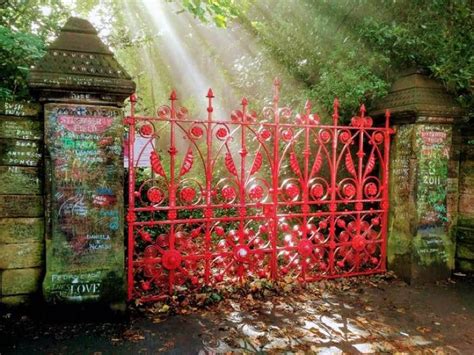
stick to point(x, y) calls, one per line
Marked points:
point(433, 143)
point(85, 152)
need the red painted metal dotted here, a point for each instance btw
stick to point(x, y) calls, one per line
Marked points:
point(232, 200)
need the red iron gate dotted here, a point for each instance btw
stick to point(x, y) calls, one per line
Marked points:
point(253, 197)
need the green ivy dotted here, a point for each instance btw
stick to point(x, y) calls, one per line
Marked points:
point(18, 50)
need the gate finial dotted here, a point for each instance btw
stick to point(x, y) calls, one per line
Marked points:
point(173, 95)
point(335, 115)
point(210, 96)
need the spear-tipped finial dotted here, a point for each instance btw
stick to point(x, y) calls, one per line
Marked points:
point(307, 107)
point(362, 110)
point(335, 115)
point(173, 95)
point(210, 95)
point(133, 97)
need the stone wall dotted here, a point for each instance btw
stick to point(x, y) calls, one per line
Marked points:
point(465, 227)
point(21, 202)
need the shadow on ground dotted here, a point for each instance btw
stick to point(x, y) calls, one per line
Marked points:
point(364, 315)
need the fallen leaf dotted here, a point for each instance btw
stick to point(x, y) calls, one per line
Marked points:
point(133, 335)
point(423, 330)
point(164, 309)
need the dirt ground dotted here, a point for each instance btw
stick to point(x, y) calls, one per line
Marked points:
point(361, 315)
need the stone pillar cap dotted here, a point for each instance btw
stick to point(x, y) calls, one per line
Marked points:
point(78, 61)
point(414, 96)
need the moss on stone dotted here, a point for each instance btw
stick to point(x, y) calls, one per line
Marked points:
point(427, 253)
point(397, 244)
point(21, 230)
point(17, 300)
point(465, 265)
point(465, 251)
point(19, 180)
point(22, 255)
point(20, 281)
point(21, 206)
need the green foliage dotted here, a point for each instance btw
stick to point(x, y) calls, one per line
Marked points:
point(40, 18)
point(18, 50)
point(436, 35)
point(353, 49)
point(25, 28)
point(220, 11)
point(352, 83)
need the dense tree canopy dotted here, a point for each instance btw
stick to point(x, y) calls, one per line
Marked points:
point(25, 26)
point(354, 48)
point(346, 48)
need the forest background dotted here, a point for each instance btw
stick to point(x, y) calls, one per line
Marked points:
point(350, 49)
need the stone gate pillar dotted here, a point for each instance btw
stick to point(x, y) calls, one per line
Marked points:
point(423, 178)
point(82, 88)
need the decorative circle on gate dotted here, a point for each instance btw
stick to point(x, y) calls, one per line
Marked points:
point(317, 191)
point(371, 190)
point(171, 259)
point(305, 248)
point(163, 112)
point(325, 136)
point(146, 130)
point(241, 253)
point(349, 190)
point(228, 193)
point(358, 242)
point(287, 134)
point(196, 132)
point(292, 191)
point(345, 137)
point(189, 191)
point(222, 133)
point(182, 113)
point(377, 137)
point(256, 192)
point(154, 195)
point(265, 134)
point(187, 194)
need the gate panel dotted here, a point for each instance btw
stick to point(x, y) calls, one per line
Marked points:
point(253, 197)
